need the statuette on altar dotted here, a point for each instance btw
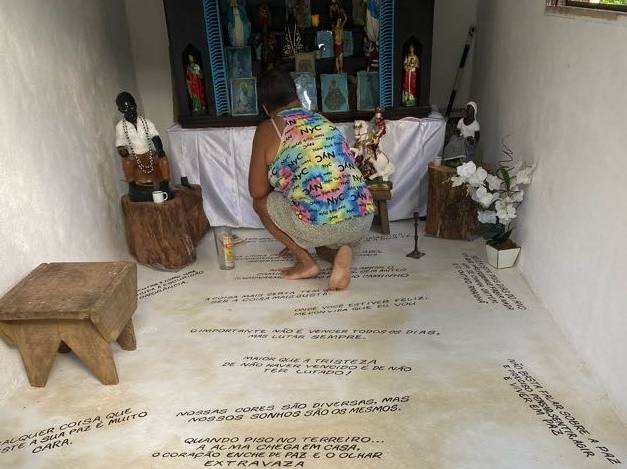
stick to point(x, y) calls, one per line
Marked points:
point(411, 68)
point(373, 163)
point(338, 40)
point(145, 165)
point(195, 86)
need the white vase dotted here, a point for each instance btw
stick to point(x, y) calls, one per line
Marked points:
point(502, 258)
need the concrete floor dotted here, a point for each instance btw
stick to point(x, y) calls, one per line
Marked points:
point(440, 362)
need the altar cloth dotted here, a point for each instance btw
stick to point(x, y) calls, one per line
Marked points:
point(218, 160)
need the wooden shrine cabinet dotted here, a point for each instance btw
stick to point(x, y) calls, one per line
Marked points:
point(198, 27)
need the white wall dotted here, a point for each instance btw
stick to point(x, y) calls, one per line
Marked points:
point(554, 86)
point(63, 62)
point(149, 43)
point(451, 20)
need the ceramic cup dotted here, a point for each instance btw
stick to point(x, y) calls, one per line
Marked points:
point(437, 161)
point(159, 197)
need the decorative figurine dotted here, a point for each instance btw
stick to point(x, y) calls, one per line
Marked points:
point(378, 123)
point(302, 13)
point(416, 253)
point(268, 53)
point(372, 33)
point(293, 44)
point(335, 11)
point(359, 12)
point(238, 24)
point(374, 164)
point(264, 16)
point(411, 65)
point(195, 86)
point(144, 162)
point(338, 41)
point(464, 144)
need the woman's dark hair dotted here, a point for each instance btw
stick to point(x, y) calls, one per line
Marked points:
point(276, 89)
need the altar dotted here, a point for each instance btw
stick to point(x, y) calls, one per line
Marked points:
point(218, 159)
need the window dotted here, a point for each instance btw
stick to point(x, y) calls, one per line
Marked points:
point(606, 5)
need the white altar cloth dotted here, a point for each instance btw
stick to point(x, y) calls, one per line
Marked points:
point(218, 159)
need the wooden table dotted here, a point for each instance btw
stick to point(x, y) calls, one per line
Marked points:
point(164, 236)
point(451, 213)
point(84, 306)
point(381, 197)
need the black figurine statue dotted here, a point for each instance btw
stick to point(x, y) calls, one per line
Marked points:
point(144, 162)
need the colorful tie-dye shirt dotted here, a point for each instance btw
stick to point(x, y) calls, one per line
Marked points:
point(315, 169)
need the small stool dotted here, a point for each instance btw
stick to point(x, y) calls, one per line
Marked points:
point(381, 196)
point(84, 306)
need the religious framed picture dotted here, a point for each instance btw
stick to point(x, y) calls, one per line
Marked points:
point(305, 62)
point(244, 97)
point(239, 62)
point(367, 90)
point(306, 89)
point(324, 43)
point(334, 92)
point(302, 13)
point(348, 43)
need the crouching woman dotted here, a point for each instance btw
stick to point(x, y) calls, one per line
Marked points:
point(305, 185)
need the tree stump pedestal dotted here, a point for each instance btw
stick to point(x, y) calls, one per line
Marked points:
point(164, 236)
point(451, 213)
point(81, 307)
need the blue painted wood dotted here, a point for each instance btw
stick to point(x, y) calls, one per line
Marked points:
point(386, 54)
point(217, 61)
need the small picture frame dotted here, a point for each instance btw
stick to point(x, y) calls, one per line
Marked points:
point(306, 89)
point(239, 62)
point(244, 97)
point(348, 44)
point(367, 90)
point(334, 92)
point(324, 44)
point(302, 13)
point(305, 62)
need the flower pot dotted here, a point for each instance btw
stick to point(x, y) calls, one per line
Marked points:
point(502, 256)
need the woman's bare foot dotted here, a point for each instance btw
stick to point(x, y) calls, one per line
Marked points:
point(301, 270)
point(326, 254)
point(342, 269)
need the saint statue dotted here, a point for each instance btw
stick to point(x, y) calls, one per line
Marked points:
point(238, 24)
point(411, 64)
point(264, 16)
point(144, 162)
point(195, 86)
point(338, 41)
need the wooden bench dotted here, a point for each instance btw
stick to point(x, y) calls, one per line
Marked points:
point(81, 306)
point(381, 197)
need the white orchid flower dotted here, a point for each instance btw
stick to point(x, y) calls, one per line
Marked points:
point(524, 176)
point(517, 196)
point(477, 178)
point(466, 170)
point(505, 211)
point(494, 182)
point(457, 181)
point(486, 216)
point(484, 197)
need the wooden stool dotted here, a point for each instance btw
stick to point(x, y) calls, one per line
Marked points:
point(164, 236)
point(381, 197)
point(84, 306)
